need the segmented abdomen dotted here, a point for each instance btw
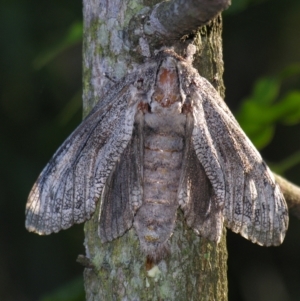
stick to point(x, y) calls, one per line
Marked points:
point(155, 220)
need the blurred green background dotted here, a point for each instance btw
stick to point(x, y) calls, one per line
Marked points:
point(40, 74)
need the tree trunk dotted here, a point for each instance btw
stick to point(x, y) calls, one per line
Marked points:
point(118, 34)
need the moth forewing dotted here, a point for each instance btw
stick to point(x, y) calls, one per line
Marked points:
point(86, 159)
point(245, 212)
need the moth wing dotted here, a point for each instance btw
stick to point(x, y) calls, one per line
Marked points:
point(196, 195)
point(122, 194)
point(245, 188)
point(68, 188)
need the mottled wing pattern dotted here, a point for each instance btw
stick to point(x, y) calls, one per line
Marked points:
point(68, 188)
point(123, 191)
point(223, 178)
point(196, 196)
point(245, 188)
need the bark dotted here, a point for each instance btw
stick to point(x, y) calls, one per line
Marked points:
point(291, 194)
point(118, 35)
point(116, 38)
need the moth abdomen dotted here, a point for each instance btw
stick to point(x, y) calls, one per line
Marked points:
point(155, 220)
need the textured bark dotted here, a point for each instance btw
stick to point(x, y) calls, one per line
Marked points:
point(114, 42)
point(291, 194)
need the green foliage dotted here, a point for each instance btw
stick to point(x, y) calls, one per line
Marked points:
point(240, 5)
point(72, 291)
point(69, 110)
point(72, 37)
point(259, 112)
point(286, 164)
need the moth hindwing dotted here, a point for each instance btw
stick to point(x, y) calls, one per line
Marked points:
point(161, 139)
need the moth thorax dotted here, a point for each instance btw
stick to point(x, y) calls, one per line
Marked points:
point(167, 91)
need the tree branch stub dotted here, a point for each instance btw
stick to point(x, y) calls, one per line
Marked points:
point(173, 19)
point(168, 21)
point(291, 194)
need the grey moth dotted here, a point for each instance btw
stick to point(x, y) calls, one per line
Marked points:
point(162, 139)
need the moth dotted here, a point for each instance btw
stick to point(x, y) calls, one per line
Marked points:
point(162, 138)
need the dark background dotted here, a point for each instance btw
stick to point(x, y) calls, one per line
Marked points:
point(40, 75)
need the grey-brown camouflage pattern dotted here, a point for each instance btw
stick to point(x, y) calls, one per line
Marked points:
point(161, 139)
